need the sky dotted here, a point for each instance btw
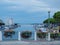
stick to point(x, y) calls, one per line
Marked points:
point(28, 11)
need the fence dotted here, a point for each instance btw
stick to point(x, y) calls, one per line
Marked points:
point(37, 34)
point(27, 36)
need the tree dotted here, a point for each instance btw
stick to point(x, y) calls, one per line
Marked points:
point(52, 20)
point(57, 17)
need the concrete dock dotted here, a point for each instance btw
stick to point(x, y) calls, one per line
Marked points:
point(29, 43)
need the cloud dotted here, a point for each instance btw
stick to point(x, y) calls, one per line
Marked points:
point(28, 5)
point(53, 3)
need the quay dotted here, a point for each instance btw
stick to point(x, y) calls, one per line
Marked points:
point(30, 43)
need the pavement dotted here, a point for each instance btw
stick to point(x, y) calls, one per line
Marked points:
point(29, 42)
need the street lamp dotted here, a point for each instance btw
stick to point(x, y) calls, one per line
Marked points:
point(49, 26)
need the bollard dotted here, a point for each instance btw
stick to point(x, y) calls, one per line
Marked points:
point(0, 36)
point(19, 36)
point(49, 37)
point(35, 37)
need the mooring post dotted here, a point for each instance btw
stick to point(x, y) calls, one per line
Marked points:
point(49, 36)
point(19, 36)
point(35, 36)
point(0, 35)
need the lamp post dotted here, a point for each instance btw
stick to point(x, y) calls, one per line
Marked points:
point(49, 26)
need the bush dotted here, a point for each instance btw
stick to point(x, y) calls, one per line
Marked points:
point(41, 35)
point(26, 34)
point(54, 35)
point(9, 33)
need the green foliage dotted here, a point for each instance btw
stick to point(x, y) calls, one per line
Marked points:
point(55, 19)
point(41, 35)
point(52, 20)
point(57, 16)
point(8, 33)
point(54, 35)
point(26, 34)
